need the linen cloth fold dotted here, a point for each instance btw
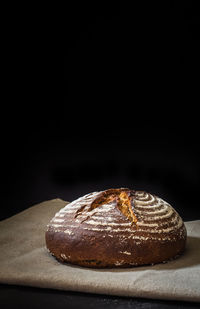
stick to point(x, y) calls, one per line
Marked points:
point(24, 260)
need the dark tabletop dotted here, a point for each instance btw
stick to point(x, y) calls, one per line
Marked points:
point(26, 297)
point(129, 118)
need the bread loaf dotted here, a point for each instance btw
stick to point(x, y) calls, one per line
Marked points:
point(116, 228)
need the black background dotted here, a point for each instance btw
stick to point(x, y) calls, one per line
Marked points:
point(129, 116)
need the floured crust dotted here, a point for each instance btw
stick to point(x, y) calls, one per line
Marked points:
point(116, 228)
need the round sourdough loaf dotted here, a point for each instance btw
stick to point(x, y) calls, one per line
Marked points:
point(116, 228)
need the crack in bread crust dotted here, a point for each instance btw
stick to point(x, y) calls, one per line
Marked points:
point(125, 206)
point(122, 198)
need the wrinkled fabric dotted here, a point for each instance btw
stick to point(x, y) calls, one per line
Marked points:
point(24, 260)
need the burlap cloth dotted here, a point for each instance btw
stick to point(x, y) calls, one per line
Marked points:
point(24, 260)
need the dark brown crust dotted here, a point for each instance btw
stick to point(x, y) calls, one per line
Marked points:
point(111, 244)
